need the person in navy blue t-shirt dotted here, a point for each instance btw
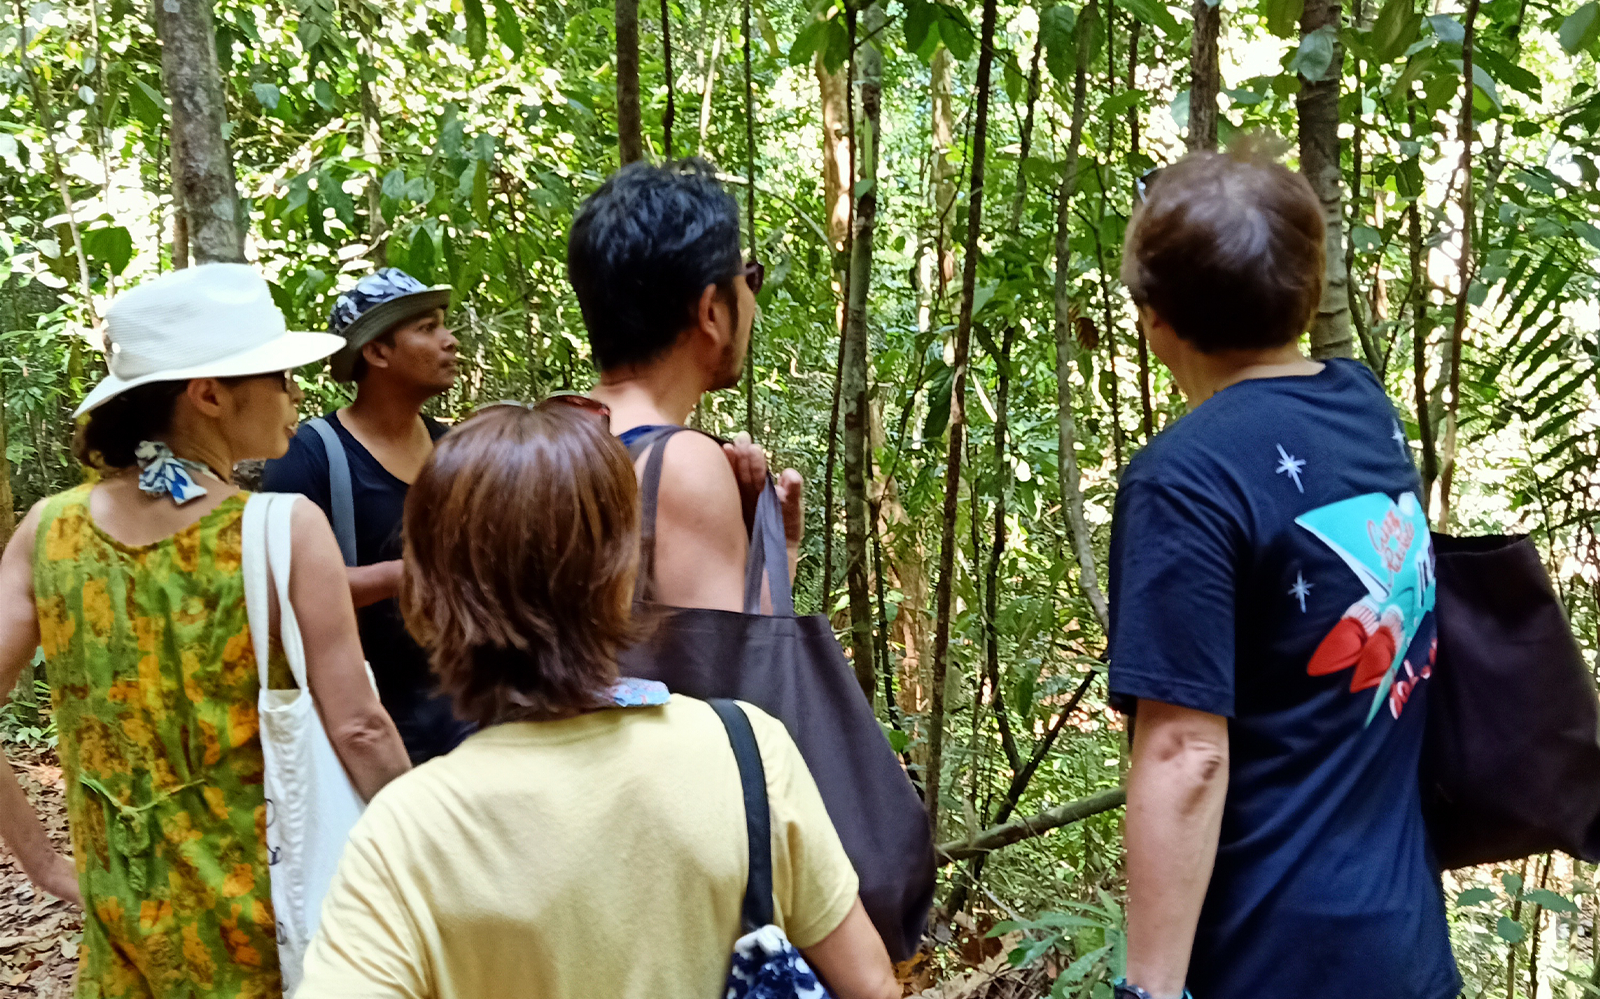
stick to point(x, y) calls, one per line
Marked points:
point(1272, 592)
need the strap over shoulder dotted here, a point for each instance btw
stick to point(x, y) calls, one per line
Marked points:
point(341, 493)
point(757, 909)
point(768, 556)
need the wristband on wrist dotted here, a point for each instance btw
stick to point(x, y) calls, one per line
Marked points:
point(1120, 989)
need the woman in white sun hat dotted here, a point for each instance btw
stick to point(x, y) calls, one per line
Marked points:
point(133, 586)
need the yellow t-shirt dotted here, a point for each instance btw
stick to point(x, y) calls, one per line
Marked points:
point(601, 856)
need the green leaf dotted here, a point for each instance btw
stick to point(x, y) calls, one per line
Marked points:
point(1513, 884)
point(1398, 25)
point(421, 256)
point(480, 193)
point(1315, 55)
point(148, 104)
point(112, 246)
point(477, 29)
point(1447, 29)
point(1484, 82)
point(956, 31)
point(1474, 896)
point(811, 37)
point(1550, 900)
point(322, 93)
point(898, 740)
point(508, 26)
point(1152, 12)
point(267, 95)
point(1283, 17)
point(333, 195)
point(1058, 28)
point(1581, 29)
point(837, 50)
point(1510, 930)
point(394, 184)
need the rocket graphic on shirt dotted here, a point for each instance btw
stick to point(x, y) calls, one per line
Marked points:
point(1385, 542)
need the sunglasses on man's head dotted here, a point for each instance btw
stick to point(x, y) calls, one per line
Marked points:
point(755, 274)
point(591, 407)
point(1142, 183)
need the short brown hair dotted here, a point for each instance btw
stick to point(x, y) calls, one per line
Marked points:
point(521, 548)
point(1228, 248)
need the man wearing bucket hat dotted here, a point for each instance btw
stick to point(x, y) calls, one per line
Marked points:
point(133, 587)
point(357, 464)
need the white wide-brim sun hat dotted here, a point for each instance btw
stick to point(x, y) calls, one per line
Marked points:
point(209, 321)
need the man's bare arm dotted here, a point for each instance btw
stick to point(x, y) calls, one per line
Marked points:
point(372, 583)
point(701, 540)
point(1176, 790)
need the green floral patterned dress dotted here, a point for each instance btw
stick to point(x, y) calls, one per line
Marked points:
point(153, 678)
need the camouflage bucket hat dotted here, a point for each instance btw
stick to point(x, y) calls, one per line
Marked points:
point(375, 305)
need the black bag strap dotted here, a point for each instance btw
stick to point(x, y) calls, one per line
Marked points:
point(768, 556)
point(341, 496)
point(757, 910)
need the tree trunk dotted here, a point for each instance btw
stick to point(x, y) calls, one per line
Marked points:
point(202, 162)
point(708, 85)
point(853, 390)
point(1147, 413)
point(942, 77)
point(1452, 418)
point(671, 114)
point(1318, 107)
point(944, 591)
point(997, 550)
point(1066, 424)
point(46, 117)
point(1418, 293)
point(630, 127)
point(1205, 75)
point(749, 219)
point(372, 152)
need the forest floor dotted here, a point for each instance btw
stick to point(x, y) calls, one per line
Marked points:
point(39, 934)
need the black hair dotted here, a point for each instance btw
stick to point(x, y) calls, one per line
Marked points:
point(641, 252)
point(359, 369)
point(114, 430)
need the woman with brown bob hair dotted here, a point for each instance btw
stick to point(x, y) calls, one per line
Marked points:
point(590, 839)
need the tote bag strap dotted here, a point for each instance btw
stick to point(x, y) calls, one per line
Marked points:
point(341, 494)
point(757, 909)
point(253, 565)
point(768, 549)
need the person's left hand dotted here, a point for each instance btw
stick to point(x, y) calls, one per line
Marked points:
point(749, 465)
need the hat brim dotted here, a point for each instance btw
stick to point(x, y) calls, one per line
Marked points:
point(293, 349)
point(379, 319)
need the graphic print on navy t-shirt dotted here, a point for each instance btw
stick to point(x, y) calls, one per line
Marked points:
point(1385, 542)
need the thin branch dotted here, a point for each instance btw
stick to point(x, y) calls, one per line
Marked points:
point(1030, 826)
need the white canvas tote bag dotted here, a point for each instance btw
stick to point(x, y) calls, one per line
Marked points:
point(311, 803)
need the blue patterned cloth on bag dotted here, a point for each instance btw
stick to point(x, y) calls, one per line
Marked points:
point(767, 966)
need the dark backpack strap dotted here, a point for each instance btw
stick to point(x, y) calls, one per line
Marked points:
point(649, 498)
point(757, 910)
point(341, 497)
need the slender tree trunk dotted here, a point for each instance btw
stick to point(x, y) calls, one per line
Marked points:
point(1066, 423)
point(1458, 329)
point(1418, 294)
point(46, 117)
point(1146, 411)
point(1205, 75)
point(666, 71)
point(853, 391)
point(1318, 107)
point(958, 417)
point(836, 182)
point(708, 87)
point(997, 551)
point(203, 163)
point(749, 217)
point(630, 127)
point(1533, 948)
point(942, 78)
point(372, 150)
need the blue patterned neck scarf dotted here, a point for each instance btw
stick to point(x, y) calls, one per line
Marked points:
point(162, 473)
